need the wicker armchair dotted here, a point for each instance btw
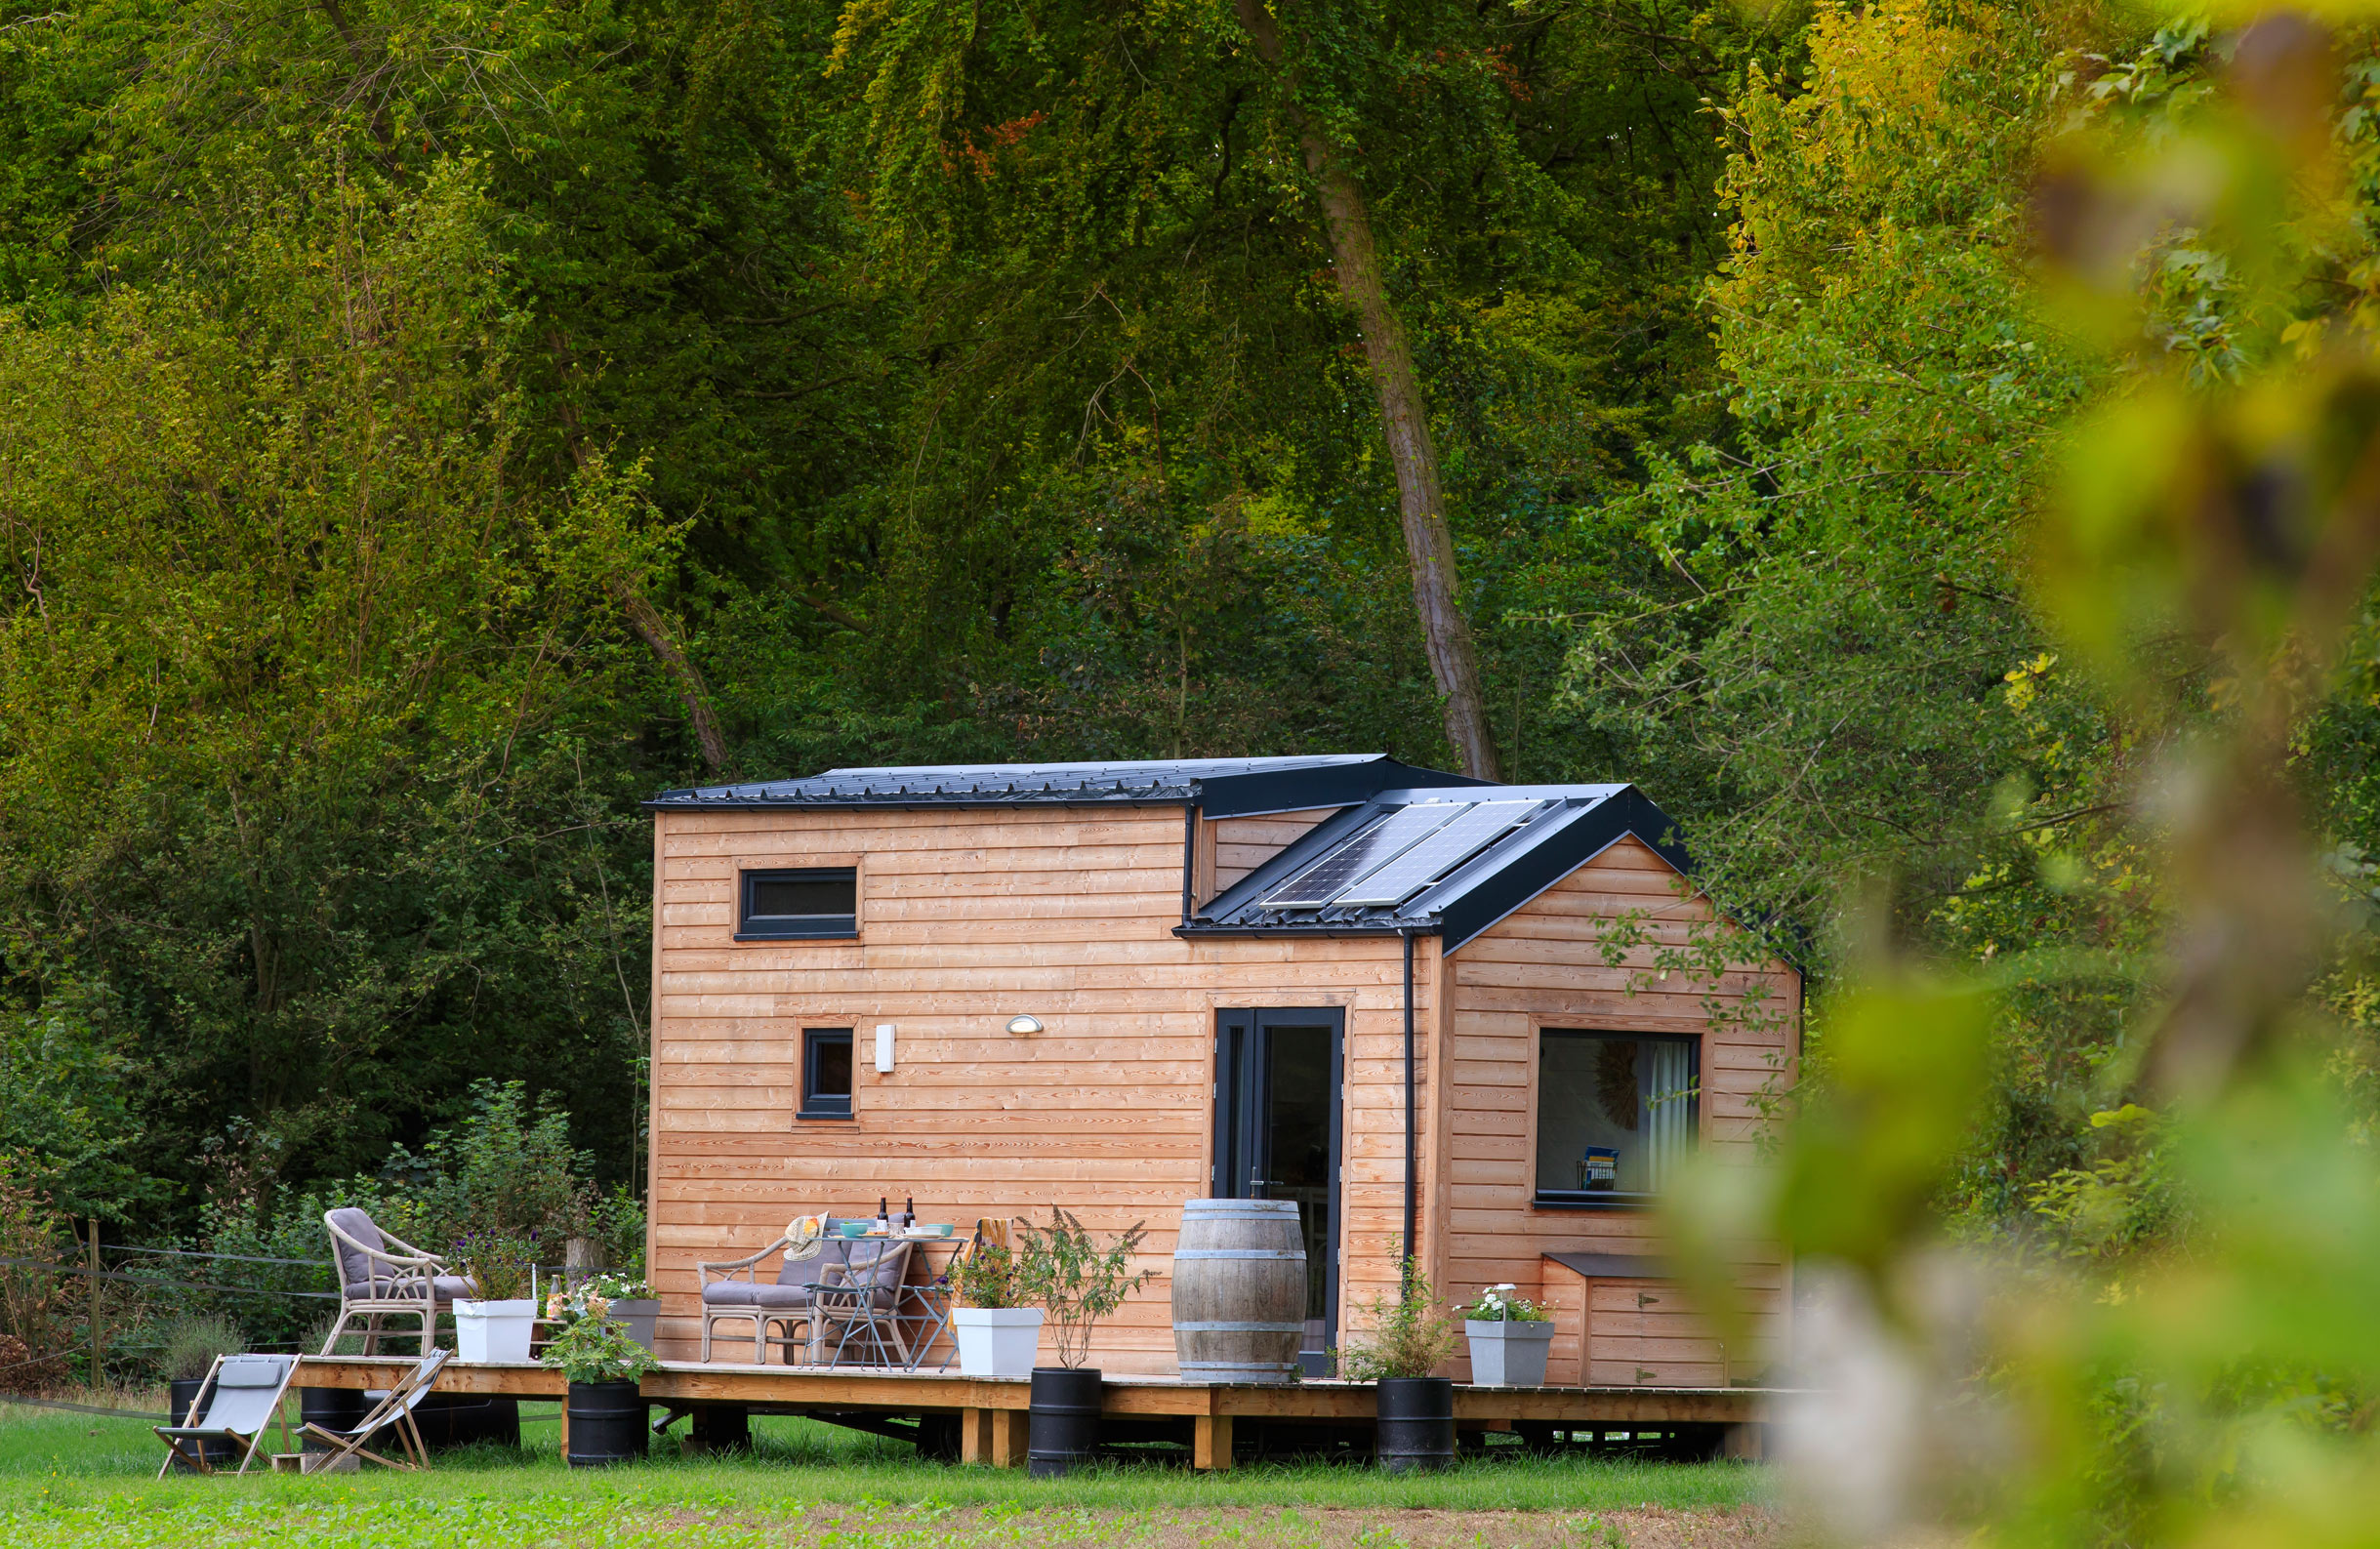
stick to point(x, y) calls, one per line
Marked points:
point(382, 1277)
point(732, 1290)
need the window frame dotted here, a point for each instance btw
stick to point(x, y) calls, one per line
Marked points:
point(821, 1105)
point(843, 927)
point(1541, 1198)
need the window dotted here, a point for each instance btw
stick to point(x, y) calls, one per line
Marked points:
point(790, 905)
point(1617, 1115)
point(826, 1073)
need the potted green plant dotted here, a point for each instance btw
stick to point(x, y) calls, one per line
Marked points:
point(1399, 1353)
point(494, 1326)
point(1509, 1337)
point(997, 1337)
point(602, 1364)
point(1078, 1279)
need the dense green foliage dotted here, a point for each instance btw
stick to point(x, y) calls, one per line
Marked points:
point(419, 415)
point(421, 421)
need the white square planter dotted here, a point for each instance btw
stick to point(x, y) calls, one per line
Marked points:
point(998, 1341)
point(1508, 1355)
point(497, 1332)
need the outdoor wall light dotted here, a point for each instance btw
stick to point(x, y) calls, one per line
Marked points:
point(1024, 1024)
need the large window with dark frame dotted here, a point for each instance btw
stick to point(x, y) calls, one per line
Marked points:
point(1618, 1114)
point(799, 903)
point(826, 1073)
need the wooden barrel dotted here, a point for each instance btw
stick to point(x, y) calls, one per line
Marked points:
point(1239, 1290)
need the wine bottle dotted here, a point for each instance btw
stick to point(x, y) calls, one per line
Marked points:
point(909, 1211)
point(884, 1214)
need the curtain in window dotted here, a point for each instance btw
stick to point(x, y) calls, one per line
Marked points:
point(1664, 1081)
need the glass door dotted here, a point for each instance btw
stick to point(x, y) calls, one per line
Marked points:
point(1277, 1138)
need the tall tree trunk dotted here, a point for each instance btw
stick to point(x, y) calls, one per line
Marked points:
point(1420, 502)
point(654, 629)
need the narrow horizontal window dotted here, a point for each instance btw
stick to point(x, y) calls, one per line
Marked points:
point(812, 902)
point(826, 1073)
point(1618, 1114)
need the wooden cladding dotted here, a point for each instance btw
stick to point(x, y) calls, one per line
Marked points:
point(970, 916)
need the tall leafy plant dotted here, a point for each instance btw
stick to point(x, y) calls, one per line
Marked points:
point(1076, 1277)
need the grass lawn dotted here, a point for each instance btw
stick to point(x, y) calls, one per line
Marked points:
point(85, 1479)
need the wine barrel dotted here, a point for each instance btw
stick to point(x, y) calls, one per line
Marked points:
point(1239, 1290)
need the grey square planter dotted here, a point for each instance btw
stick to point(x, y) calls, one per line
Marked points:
point(1508, 1355)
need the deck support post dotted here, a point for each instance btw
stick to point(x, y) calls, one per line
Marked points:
point(1211, 1442)
point(1744, 1440)
point(1009, 1431)
point(974, 1435)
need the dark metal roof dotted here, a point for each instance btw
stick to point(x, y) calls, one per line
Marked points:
point(1476, 878)
point(1220, 787)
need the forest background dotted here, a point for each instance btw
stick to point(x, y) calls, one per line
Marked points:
point(428, 428)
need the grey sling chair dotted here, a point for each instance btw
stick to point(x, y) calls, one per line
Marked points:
point(393, 1412)
point(239, 1400)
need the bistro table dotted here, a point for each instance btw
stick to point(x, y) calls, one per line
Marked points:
point(926, 1306)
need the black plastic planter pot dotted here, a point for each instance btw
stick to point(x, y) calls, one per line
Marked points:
point(1416, 1424)
point(1063, 1430)
point(219, 1453)
point(332, 1408)
point(606, 1424)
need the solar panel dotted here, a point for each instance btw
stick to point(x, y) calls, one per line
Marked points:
point(1383, 841)
point(1446, 848)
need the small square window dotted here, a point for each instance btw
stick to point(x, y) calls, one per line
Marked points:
point(813, 902)
point(826, 1073)
point(1617, 1115)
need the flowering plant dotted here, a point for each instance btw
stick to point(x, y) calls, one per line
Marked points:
point(1503, 1304)
point(593, 1298)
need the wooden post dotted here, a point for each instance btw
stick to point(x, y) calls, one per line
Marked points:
point(565, 1427)
point(974, 1435)
point(1009, 1430)
point(1212, 1442)
point(98, 1348)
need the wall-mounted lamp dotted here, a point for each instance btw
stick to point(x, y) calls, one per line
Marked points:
point(883, 1047)
point(1024, 1024)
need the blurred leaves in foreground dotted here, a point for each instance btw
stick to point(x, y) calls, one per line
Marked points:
point(2188, 1349)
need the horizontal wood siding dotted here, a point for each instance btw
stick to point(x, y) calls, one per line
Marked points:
point(1544, 966)
point(967, 917)
point(1242, 844)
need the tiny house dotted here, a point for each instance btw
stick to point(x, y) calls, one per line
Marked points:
point(1431, 1010)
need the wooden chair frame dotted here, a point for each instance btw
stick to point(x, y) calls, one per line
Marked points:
point(409, 1287)
point(395, 1410)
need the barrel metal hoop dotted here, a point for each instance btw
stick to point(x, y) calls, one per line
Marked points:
point(1238, 1329)
point(1239, 1252)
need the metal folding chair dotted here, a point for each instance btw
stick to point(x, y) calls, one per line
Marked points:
point(240, 1397)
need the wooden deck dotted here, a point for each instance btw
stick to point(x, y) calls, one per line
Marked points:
point(990, 1412)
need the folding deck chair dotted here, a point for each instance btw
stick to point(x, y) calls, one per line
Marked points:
point(394, 1411)
point(240, 1397)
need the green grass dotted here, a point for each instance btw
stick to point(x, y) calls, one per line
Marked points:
point(75, 1479)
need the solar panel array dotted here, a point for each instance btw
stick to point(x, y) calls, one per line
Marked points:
point(1446, 847)
point(1374, 846)
point(1401, 854)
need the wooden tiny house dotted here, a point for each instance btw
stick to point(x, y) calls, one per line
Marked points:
point(1224, 977)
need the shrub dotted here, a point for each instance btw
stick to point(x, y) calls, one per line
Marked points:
point(1407, 1338)
point(189, 1344)
point(597, 1349)
point(497, 1262)
point(1078, 1280)
point(985, 1275)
